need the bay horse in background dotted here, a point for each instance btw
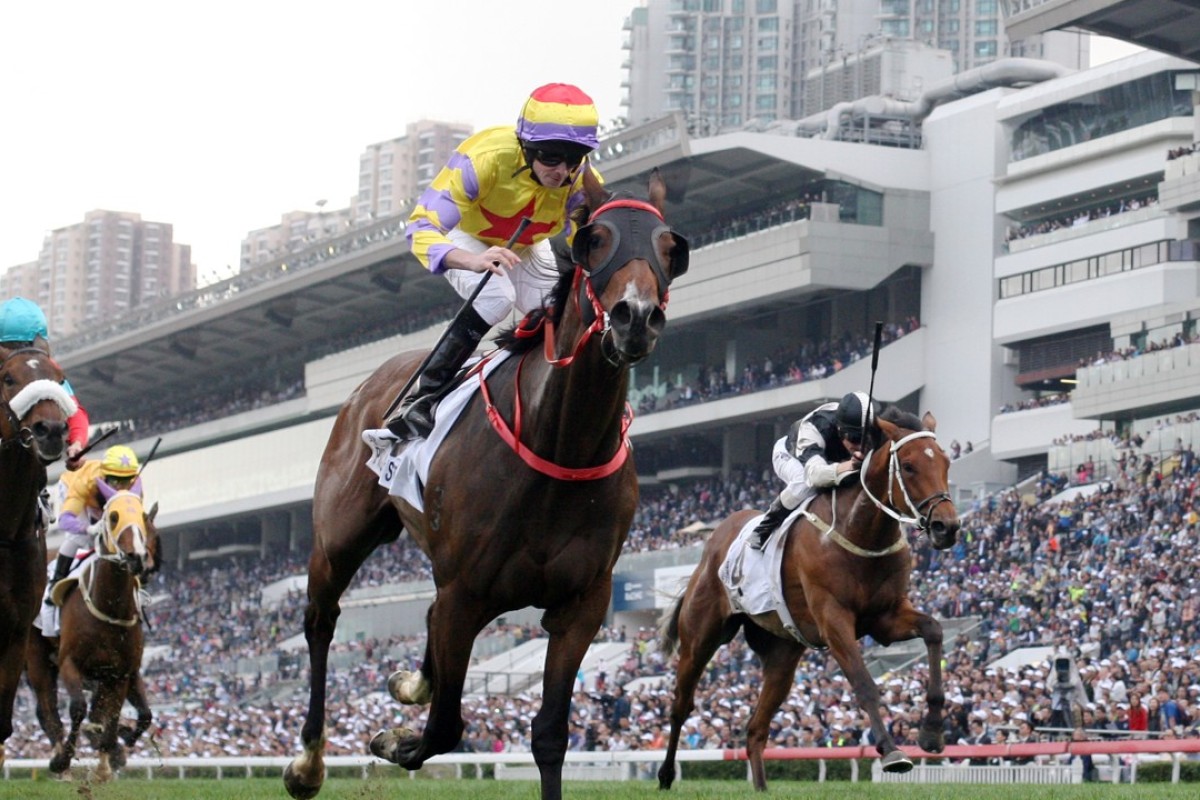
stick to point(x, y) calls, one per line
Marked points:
point(532, 515)
point(34, 408)
point(845, 576)
point(99, 647)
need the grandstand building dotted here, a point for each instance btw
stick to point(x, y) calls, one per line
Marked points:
point(1031, 221)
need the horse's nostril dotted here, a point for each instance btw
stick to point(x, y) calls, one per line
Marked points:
point(621, 315)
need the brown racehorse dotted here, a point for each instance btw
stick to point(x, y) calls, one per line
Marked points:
point(839, 586)
point(33, 426)
point(101, 639)
point(536, 521)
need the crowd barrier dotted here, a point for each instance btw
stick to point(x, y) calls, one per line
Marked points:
point(626, 765)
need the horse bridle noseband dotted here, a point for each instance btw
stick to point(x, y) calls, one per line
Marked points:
point(922, 512)
point(38, 390)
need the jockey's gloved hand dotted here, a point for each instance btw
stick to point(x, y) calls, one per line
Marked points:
point(96, 528)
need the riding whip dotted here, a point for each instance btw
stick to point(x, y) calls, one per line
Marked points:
point(97, 441)
point(470, 301)
point(874, 366)
point(146, 460)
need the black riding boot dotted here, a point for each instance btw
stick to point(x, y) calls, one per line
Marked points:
point(414, 418)
point(775, 515)
point(61, 567)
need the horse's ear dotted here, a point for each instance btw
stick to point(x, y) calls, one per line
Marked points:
point(153, 512)
point(890, 430)
point(658, 190)
point(42, 343)
point(593, 189)
point(4, 352)
point(105, 490)
point(929, 421)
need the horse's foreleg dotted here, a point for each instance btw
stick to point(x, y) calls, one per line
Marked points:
point(838, 629)
point(908, 623)
point(779, 659)
point(572, 629)
point(702, 627)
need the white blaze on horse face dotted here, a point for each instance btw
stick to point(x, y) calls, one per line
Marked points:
point(635, 298)
point(929, 452)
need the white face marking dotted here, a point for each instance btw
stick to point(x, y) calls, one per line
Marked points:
point(33, 363)
point(929, 452)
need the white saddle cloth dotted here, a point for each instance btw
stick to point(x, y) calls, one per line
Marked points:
point(753, 578)
point(403, 467)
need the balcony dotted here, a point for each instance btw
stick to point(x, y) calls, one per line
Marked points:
point(1158, 382)
point(1180, 187)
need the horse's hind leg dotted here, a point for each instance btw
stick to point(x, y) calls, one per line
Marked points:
point(702, 628)
point(779, 658)
point(908, 623)
point(572, 629)
point(137, 698)
point(343, 536)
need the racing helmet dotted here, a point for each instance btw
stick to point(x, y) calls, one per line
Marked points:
point(559, 119)
point(22, 320)
point(854, 415)
point(119, 462)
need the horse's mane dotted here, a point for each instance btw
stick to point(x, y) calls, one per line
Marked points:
point(896, 416)
point(904, 419)
point(552, 310)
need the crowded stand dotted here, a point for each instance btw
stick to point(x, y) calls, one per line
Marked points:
point(1109, 576)
point(1075, 220)
point(809, 360)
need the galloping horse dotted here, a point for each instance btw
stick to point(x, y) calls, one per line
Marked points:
point(101, 639)
point(534, 516)
point(846, 568)
point(33, 425)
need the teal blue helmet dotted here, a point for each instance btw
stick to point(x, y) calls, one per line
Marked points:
point(22, 320)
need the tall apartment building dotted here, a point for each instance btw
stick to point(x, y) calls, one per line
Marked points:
point(726, 62)
point(392, 174)
point(100, 268)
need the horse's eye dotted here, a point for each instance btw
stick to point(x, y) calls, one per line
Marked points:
point(9, 380)
point(908, 468)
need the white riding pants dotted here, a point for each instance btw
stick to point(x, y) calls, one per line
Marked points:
point(791, 472)
point(523, 287)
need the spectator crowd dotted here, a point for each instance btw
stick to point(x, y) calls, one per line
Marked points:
point(1110, 577)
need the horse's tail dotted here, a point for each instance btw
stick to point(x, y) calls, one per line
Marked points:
point(668, 628)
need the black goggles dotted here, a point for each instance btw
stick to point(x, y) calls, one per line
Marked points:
point(554, 159)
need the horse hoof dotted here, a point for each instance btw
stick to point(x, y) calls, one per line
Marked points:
point(395, 745)
point(931, 741)
point(60, 764)
point(897, 762)
point(409, 688)
point(297, 786)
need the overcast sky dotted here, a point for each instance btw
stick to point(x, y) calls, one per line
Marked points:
point(220, 116)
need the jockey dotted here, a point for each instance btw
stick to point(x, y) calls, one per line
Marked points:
point(23, 324)
point(462, 222)
point(82, 511)
point(819, 451)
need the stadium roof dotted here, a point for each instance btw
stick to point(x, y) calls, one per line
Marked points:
point(1169, 26)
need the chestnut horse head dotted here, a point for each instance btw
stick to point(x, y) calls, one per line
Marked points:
point(34, 406)
point(129, 538)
